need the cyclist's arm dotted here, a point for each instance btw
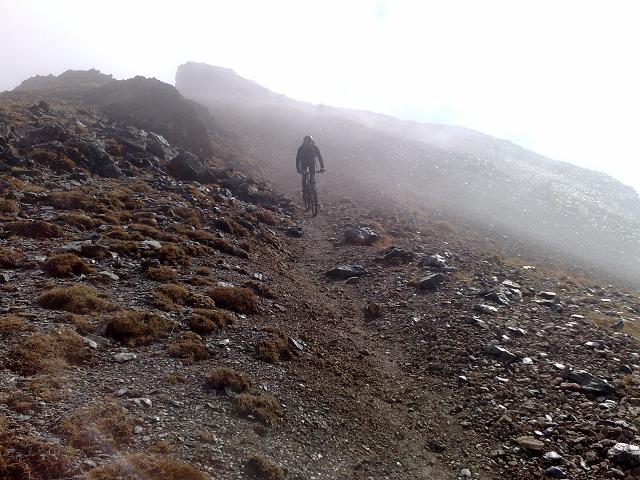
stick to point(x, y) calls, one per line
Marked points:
point(299, 160)
point(319, 155)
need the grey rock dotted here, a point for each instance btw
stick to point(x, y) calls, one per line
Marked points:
point(150, 245)
point(360, 235)
point(486, 309)
point(124, 357)
point(555, 472)
point(436, 261)
point(346, 271)
point(394, 254)
point(295, 231)
point(530, 444)
point(430, 282)
point(502, 354)
point(625, 455)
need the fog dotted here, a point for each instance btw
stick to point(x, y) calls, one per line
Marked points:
point(556, 77)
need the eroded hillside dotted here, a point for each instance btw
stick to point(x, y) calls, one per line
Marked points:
point(163, 316)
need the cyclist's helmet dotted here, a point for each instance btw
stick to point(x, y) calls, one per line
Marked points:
point(308, 138)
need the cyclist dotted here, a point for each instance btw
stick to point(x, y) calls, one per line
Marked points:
point(306, 157)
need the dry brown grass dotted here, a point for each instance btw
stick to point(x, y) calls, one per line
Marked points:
point(230, 226)
point(65, 265)
point(204, 271)
point(56, 161)
point(23, 457)
point(172, 254)
point(241, 300)
point(188, 216)
point(10, 324)
point(260, 288)
point(8, 206)
point(75, 299)
point(222, 378)
point(47, 387)
point(206, 321)
point(136, 327)
point(175, 378)
point(47, 353)
point(266, 216)
point(444, 226)
point(275, 347)
point(73, 200)
point(264, 469)
point(9, 258)
point(199, 281)
point(188, 346)
point(161, 274)
point(78, 220)
point(38, 229)
point(264, 407)
point(146, 467)
point(18, 401)
point(105, 426)
point(83, 324)
point(147, 231)
point(169, 297)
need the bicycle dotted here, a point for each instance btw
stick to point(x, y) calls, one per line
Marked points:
point(310, 192)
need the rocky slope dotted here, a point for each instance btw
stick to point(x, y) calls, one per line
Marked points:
point(165, 317)
point(582, 214)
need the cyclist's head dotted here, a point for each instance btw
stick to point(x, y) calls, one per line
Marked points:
point(308, 139)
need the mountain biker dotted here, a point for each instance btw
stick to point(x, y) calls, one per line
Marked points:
point(306, 157)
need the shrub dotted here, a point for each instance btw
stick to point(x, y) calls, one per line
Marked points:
point(8, 206)
point(260, 288)
point(98, 427)
point(138, 327)
point(75, 299)
point(172, 254)
point(147, 231)
point(10, 324)
point(34, 229)
point(264, 407)
point(222, 378)
point(161, 274)
point(169, 297)
point(262, 468)
point(65, 265)
point(188, 347)
point(274, 347)
point(47, 353)
point(25, 457)
point(241, 300)
point(146, 467)
point(229, 226)
point(9, 258)
point(78, 220)
point(266, 216)
point(203, 321)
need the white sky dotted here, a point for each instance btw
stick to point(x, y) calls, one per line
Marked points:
point(560, 77)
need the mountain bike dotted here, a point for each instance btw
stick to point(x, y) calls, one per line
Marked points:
point(310, 192)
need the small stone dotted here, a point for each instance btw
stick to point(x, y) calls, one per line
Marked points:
point(486, 309)
point(465, 472)
point(529, 444)
point(555, 472)
point(430, 282)
point(124, 357)
point(89, 343)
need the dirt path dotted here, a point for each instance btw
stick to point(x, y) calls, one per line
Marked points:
point(382, 420)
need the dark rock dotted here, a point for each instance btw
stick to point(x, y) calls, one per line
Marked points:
point(188, 166)
point(436, 261)
point(430, 282)
point(397, 255)
point(555, 472)
point(436, 447)
point(360, 235)
point(502, 354)
point(625, 455)
point(159, 146)
point(346, 271)
point(295, 231)
point(486, 309)
point(547, 295)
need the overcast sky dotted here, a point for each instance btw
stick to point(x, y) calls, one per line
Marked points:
point(560, 77)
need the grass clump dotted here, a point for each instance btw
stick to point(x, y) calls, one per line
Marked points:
point(65, 265)
point(230, 226)
point(161, 274)
point(98, 427)
point(274, 347)
point(262, 468)
point(266, 216)
point(25, 457)
point(240, 300)
point(146, 467)
point(75, 299)
point(188, 346)
point(136, 327)
point(34, 229)
point(172, 254)
point(205, 321)
point(11, 324)
point(9, 258)
point(223, 378)
point(47, 353)
point(78, 220)
point(264, 407)
point(8, 206)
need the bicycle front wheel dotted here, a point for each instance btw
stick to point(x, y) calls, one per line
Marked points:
point(314, 203)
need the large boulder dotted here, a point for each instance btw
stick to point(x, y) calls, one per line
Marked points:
point(360, 235)
point(188, 166)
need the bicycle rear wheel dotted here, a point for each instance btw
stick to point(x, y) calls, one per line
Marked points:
point(314, 202)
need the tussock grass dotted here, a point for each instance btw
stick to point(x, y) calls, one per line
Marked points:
point(146, 467)
point(137, 327)
point(206, 321)
point(275, 347)
point(65, 265)
point(97, 427)
point(78, 220)
point(222, 378)
point(240, 300)
point(161, 274)
point(8, 206)
point(10, 324)
point(264, 469)
point(264, 407)
point(9, 258)
point(75, 299)
point(172, 254)
point(38, 229)
point(188, 346)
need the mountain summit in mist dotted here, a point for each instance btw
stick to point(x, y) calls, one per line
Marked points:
point(487, 181)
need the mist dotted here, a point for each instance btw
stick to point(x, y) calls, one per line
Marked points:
point(555, 78)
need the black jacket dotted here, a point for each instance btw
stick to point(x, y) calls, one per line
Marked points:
point(306, 157)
